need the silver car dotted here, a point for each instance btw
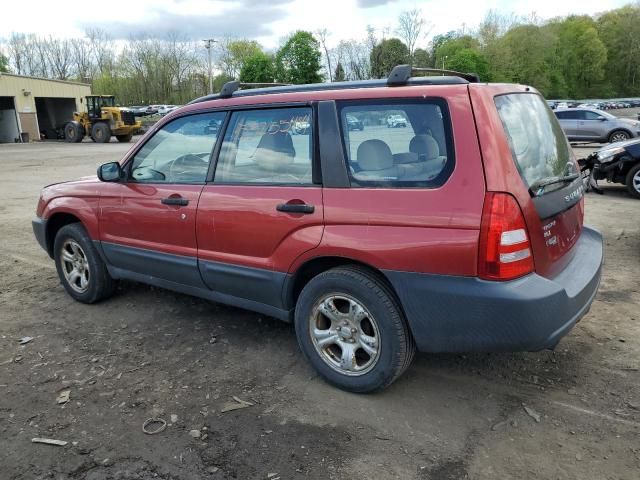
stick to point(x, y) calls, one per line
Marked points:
point(591, 125)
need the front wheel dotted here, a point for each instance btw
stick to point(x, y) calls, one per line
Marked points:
point(352, 331)
point(619, 136)
point(633, 181)
point(100, 132)
point(82, 271)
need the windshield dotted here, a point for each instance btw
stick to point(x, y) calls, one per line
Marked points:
point(538, 145)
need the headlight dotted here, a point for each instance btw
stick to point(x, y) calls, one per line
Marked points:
point(609, 153)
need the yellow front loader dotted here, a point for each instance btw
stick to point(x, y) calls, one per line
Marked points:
point(102, 120)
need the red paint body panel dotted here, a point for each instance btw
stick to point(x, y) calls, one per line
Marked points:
point(503, 176)
point(79, 198)
point(240, 225)
point(132, 214)
point(411, 229)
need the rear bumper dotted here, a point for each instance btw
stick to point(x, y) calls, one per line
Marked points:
point(460, 314)
point(40, 231)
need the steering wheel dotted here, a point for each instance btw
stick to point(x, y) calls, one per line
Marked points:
point(188, 164)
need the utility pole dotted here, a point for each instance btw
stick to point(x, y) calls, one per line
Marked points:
point(207, 44)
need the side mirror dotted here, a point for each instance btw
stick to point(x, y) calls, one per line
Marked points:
point(110, 172)
point(602, 119)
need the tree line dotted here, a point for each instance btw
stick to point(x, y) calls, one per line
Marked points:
point(570, 57)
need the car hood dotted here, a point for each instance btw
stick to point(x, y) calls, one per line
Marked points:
point(624, 144)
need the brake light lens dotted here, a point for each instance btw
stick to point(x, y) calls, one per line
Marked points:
point(505, 249)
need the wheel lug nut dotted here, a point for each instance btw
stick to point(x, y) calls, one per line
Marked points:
point(353, 330)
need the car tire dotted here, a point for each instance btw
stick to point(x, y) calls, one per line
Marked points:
point(100, 132)
point(365, 314)
point(73, 132)
point(124, 138)
point(80, 267)
point(619, 136)
point(633, 181)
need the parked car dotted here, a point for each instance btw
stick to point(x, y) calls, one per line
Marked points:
point(165, 109)
point(462, 232)
point(396, 121)
point(585, 124)
point(353, 123)
point(138, 110)
point(617, 163)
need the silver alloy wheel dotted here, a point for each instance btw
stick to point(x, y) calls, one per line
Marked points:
point(619, 137)
point(75, 266)
point(635, 181)
point(344, 334)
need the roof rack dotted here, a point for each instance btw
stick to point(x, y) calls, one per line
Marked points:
point(401, 74)
point(234, 85)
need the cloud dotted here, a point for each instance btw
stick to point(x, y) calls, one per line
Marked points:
point(248, 19)
point(373, 3)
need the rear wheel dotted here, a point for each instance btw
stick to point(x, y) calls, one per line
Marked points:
point(100, 132)
point(351, 329)
point(124, 138)
point(619, 136)
point(633, 181)
point(81, 270)
point(73, 132)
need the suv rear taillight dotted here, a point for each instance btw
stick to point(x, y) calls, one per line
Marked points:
point(505, 249)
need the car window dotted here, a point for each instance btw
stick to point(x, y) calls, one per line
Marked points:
point(179, 152)
point(402, 143)
point(569, 115)
point(270, 146)
point(538, 145)
point(591, 115)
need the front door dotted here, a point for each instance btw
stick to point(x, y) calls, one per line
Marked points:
point(263, 208)
point(147, 222)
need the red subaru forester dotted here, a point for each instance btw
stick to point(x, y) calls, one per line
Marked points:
point(456, 229)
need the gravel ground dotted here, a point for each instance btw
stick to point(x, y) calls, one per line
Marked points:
point(152, 353)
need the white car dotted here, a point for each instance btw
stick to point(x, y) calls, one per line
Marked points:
point(396, 121)
point(164, 109)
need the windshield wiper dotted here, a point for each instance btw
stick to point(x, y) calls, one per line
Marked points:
point(537, 188)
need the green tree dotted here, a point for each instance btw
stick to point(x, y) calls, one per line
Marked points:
point(339, 75)
point(386, 55)
point(582, 56)
point(298, 61)
point(619, 31)
point(4, 64)
point(234, 53)
point(421, 58)
point(446, 48)
point(471, 61)
point(258, 68)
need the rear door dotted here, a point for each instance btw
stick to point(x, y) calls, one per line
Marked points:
point(263, 207)
point(147, 223)
point(593, 125)
point(529, 138)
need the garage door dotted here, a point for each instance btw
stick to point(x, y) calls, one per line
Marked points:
point(53, 115)
point(9, 131)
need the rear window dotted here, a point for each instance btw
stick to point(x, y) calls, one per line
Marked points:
point(397, 143)
point(538, 145)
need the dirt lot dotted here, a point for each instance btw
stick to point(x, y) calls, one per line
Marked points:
point(151, 353)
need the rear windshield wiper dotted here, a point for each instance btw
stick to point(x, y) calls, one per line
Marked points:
point(537, 188)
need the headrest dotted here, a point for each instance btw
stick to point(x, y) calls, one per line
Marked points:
point(275, 151)
point(374, 155)
point(425, 145)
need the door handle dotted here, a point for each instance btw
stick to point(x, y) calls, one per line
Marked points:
point(295, 208)
point(175, 201)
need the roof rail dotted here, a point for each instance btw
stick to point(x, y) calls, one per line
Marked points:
point(401, 74)
point(234, 85)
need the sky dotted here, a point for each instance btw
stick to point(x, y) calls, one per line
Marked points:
point(267, 21)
